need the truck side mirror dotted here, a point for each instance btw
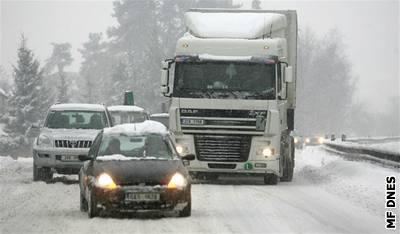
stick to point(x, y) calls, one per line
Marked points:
point(165, 65)
point(289, 74)
point(164, 90)
point(164, 77)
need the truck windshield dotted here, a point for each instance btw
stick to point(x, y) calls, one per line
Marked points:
point(225, 80)
point(76, 119)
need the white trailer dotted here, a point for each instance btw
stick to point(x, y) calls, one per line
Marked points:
point(232, 85)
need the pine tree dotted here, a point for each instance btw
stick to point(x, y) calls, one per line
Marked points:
point(29, 102)
point(60, 58)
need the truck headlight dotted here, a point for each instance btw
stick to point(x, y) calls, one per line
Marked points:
point(43, 141)
point(181, 149)
point(266, 151)
point(105, 181)
point(296, 140)
point(307, 140)
point(177, 181)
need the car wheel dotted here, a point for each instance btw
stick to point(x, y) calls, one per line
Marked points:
point(35, 172)
point(270, 179)
point(83, 203)
point(92, 206)
point(187, 211)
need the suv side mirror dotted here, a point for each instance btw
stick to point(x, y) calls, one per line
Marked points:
point(289, 74)
point(188, 157)
point(33, 131)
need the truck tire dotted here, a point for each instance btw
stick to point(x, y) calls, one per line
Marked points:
point(187, 211)
point(288, 165)
point(270, 179)
point(42, 174)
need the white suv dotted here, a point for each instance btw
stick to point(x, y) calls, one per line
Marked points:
point(66, 136)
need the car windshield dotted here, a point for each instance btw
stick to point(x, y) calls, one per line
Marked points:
point(76, 119)
point(151, 146)
point(122, 117)
point(225, 80)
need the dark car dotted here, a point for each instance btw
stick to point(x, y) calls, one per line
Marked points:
point(135, 167)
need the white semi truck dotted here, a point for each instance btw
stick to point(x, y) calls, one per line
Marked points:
point(232, 89)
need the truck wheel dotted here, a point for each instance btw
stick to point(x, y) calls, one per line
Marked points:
point(92, 206)
point(187, 211)
point(83, 203)
point(270, 179)
point(288, 165)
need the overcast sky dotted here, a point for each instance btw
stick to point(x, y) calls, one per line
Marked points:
point(370, 30)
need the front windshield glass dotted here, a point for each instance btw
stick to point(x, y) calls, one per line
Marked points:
point(152, 146)
point(76, 119)
point(120, 117)
point(230, 80)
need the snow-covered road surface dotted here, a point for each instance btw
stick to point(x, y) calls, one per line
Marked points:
point(328, 195)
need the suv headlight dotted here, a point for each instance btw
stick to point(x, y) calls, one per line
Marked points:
point(43, 141)
point(177, 181)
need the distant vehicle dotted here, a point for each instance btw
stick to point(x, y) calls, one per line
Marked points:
point(127, 114)
point(161, 117)
point(67, 134)
point(135, 167)
point(313, 140)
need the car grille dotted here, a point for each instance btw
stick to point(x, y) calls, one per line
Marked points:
point(72, 143)
point(222, 148)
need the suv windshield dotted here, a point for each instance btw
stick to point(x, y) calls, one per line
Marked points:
point(221, 79)
point(137, 146)
point(76, 119)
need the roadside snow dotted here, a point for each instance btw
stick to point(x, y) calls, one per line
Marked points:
point(392, 146)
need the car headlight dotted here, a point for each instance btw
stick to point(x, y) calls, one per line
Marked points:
point(296, 140)
point(105, 181)
point(43, 141)
point(177, 181)
point(307, 140)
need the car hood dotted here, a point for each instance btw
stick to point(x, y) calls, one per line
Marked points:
point(70, 134)
point(134, 172)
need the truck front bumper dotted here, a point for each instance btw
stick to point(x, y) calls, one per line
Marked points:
point(63, 161)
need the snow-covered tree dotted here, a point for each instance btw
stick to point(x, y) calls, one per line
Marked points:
point(28, 103)
point(60, 58)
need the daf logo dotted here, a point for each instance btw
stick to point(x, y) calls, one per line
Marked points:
point(189, 111)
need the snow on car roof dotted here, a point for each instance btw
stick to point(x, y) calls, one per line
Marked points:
point(78, 106)
point(243, 25)
point(148, 126)
point(125, 108)
point(160, 115)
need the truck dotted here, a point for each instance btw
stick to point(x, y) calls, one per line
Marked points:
point(232, 92)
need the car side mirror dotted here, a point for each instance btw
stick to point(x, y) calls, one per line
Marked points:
point(188, 157)
point(289, 74)
point(85, 157)
point(33, 131)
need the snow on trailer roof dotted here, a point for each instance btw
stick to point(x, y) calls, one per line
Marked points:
point(78, 106)
point(244, 25)
point(146, 127)
point(125, 108)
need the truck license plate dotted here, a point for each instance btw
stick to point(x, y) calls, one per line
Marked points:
point(142, 196)
point(69, 158)
point(192, 121)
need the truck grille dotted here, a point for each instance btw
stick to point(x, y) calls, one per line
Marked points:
point(72, 143)
point(222, 148)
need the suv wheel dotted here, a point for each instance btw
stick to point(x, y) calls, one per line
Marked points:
point(42, 174)
point(83, 203)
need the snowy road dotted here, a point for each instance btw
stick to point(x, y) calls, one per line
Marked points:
point(328, 195)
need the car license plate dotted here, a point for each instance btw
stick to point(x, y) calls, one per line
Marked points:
point(142, 196)
point(69, 158)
